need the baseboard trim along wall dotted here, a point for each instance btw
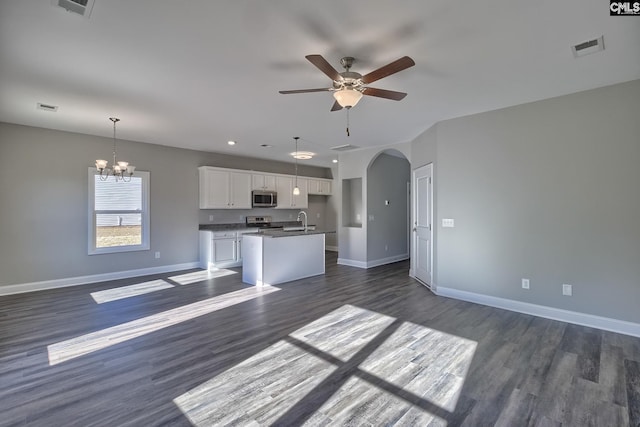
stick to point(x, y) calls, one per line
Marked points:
point(598, 322)
point(85, 280)
point(375, 263)
point(352, 263)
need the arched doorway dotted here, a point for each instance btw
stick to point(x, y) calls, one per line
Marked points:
point(388, 208)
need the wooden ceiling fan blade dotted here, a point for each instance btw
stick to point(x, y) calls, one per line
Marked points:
point(324, 66)
point(336, 106)
point(392, 68)
point(287, 92)
point(382, 93)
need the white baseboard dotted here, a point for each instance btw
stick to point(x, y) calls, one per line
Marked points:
point(599, 322)
point(331, 248)
point(352, 263)
point(85, 280)
point(370, 264)
point(389, 260)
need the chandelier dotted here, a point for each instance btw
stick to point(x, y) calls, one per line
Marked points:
point(120, 170)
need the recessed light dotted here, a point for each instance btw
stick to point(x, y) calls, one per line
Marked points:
point(231, 142)
point(335, 160)
point(302, 155)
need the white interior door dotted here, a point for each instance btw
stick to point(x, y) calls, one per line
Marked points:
point(422, 227)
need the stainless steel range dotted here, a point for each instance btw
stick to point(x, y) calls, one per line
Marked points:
point(260, 222)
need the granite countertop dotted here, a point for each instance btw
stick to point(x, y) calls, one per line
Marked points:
point(280, 233)
point(239, 226)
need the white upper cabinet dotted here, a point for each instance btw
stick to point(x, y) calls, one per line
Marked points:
point(320, 187)
point(224, 189)
point(286, 199)
point(263, 182)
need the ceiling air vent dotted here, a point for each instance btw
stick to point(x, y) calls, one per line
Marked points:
point(81, 7)
point(590, 46)
point(345, 147)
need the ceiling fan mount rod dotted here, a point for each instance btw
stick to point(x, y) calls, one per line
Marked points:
point(347, 62)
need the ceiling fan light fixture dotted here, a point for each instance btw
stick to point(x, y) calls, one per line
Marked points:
point(347, 98)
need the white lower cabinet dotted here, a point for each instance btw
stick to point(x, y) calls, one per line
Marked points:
point(221, 249)
point(224, 248)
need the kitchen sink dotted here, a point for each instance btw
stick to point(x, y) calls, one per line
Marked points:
point(298, 228)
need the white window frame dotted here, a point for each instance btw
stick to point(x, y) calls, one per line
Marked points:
point(145, 245)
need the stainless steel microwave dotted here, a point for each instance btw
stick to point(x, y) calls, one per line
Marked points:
point(264, 199)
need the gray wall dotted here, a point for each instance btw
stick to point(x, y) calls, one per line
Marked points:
point(388, 177)
point(548, 191)
point(44, 211)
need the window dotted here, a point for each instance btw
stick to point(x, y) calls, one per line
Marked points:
point(118, 213)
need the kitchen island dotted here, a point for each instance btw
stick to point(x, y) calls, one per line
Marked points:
point(277, 256)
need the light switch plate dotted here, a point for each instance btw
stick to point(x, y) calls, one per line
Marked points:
point(448, 222)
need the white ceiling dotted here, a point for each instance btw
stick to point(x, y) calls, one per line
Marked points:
point(195, 74)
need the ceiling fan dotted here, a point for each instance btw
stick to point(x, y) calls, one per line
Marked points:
point(348, 87)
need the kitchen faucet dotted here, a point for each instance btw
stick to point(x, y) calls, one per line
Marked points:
point(304, 223)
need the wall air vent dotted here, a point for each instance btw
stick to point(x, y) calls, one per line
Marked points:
point(345, 147)
point(81, 7)
point(590, 46)
point(47, 107)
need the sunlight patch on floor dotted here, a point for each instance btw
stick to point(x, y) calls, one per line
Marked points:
point(257, 391)
point(425, 362)
point(343, 332)
point(358, 402)
point(412, 377)
point(89, 343)
point(199, 276)
point(122, 292)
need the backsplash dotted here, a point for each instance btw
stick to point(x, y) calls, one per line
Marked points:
point(316, 212)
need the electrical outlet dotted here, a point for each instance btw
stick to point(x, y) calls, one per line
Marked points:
point(567, 290)
point(318, 215)
point(210, 217)
point(386, 247)
point(525, 283)
point(158, 255)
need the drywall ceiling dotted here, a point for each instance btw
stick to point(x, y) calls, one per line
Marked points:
point(196, 74)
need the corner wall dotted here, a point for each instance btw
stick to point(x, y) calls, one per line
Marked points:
point(547, 191)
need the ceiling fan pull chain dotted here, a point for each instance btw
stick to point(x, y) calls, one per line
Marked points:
point(348, 134)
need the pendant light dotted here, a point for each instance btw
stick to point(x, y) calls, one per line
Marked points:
point(120, 170)
point(296, 189)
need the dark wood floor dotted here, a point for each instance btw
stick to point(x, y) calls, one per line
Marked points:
point(356, 347)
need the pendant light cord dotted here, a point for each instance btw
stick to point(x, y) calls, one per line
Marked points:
point(296, 157)
point(114, 120)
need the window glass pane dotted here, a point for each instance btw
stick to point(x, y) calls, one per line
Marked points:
point(118, 196)
point(118, 230)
